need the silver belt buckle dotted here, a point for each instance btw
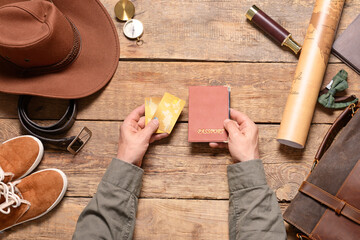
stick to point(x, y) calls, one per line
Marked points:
point(87, 137)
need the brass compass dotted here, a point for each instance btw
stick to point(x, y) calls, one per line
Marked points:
point(133, 29)
point(124, 10)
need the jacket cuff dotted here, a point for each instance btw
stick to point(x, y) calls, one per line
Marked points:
point(246, 175)
point(124, 175)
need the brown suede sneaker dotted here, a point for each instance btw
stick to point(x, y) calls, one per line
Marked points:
point(19, 156)
point(31, 197)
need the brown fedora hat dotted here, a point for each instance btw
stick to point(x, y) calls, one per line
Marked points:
point(61, 48)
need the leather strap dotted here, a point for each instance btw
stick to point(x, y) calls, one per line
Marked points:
point(332, 202)
point(46, 133)
point(339, 123)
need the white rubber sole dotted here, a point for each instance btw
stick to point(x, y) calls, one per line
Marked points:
point(38, 158)
point(58, 200)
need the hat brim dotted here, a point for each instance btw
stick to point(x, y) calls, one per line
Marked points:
point(92, 70)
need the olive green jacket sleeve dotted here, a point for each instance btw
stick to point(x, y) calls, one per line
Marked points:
point(111, 213)
point(254, 212)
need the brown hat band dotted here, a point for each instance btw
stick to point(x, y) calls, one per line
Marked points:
point(74, 52)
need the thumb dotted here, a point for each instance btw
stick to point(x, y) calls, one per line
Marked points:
point(151, 128)
point(231, 127)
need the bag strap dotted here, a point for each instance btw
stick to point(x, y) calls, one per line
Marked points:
point(333, 131)
point(339, 206)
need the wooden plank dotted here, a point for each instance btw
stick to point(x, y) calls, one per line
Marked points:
point(156, 219)
point(216, 30)
point(175, 168)
point(260, 94)
point(182, 219)
point(58, 224)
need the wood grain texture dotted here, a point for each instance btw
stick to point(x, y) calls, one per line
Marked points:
point(175, 168)
point(187, 42)
point(260, 94)
point(160, 219)
point(216, 30)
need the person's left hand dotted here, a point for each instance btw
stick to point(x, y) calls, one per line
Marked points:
point(135, 137)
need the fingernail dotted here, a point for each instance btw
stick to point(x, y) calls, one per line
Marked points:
point(226, 121)
point(156, 120)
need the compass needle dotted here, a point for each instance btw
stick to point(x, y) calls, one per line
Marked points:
point(133, 29)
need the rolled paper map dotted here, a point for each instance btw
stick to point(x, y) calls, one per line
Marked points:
point(309, 74)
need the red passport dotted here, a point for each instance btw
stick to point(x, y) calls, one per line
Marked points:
point(208, 108)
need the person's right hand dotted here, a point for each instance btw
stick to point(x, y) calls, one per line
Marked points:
point(135, 137)
point(243, 137)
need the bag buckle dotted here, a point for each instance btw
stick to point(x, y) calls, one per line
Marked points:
point(352, 106)
point(301, 236)
point(80, 143)
point(316, 161)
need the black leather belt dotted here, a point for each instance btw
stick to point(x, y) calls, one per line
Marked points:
point(46, 133)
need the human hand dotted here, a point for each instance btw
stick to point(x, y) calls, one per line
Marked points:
point(135, 137)
point(243, 137)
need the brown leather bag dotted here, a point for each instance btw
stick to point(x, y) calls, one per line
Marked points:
point(327, 206)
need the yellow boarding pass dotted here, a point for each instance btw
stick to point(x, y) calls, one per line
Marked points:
point(151, 104)
point(168, 111)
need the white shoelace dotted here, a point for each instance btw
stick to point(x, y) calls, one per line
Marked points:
point(5, 174)
point(11, 195)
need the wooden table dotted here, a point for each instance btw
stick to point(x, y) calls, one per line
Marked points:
point(192, 42)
